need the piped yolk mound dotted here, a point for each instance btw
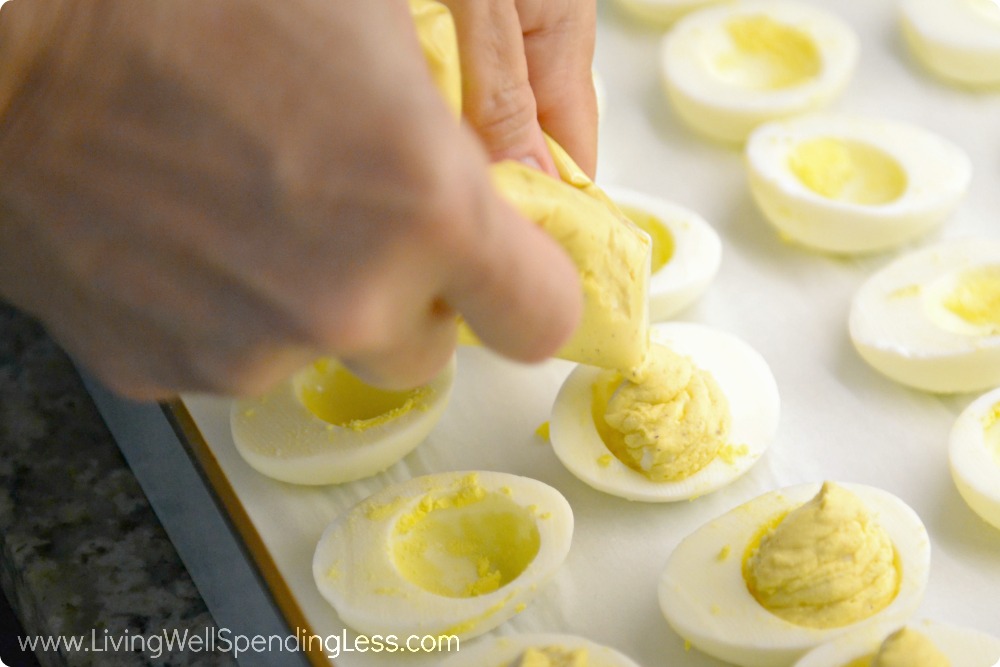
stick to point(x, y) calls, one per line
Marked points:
point(552, 656)
point(827, 564)
point(909, 648)
point(333, 394)
point(848, 171)
point(976, 298)
point(768, 55)
point(466, 541)
point(663, 240)
point(668, 422)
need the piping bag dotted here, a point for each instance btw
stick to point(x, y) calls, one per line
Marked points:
point(611, 254)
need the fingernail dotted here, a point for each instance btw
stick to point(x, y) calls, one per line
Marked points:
point(530, 161)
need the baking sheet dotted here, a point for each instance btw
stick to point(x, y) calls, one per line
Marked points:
point(840, 419)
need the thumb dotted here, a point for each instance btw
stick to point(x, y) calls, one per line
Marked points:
point(515, 286)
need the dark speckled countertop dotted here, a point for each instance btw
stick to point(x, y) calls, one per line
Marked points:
point(81, 550)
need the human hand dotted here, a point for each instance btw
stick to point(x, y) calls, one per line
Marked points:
point(205, 196)
point(526, 67)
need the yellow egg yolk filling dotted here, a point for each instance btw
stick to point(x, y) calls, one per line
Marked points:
point(848, 171)
point(668, 422)
point(333, 394)
point(465, 542)
point(552, 656)
point(768, 55)
point(905, 648)
point(663, 240)
point(826, 564)
point(975, 298)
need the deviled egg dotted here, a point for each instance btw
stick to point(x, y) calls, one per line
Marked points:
point(703, 411)
point(791, 569)
point(453, 553)
point(917, 644)
point(850, 184)
point(543, 650)
point(728, 69)
point(959, 40)
point(686, 250)
point(931, 319)
point(974, 455)
point(325, 426)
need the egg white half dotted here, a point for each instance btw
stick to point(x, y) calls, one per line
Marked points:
point(697, 253)
point(355, 571)
point(281, 438)
point(705, 598)
point(742, 374)
point(963, 647)
point(974, 456)
point(898, 325)
point(663, 12)
point(959, 40)
point(501, 651)
point(709, 101)
point(937, 176)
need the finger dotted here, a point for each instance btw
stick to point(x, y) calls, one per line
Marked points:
point(559, 50)
point(516, 287)
point(413, 359)
point(497, 97)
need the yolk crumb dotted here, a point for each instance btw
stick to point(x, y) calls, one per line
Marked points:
point(543, 431)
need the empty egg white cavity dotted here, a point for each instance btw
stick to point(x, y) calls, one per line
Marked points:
point(728, 69)
point(850, 184)
point(325, 426)
point(931, 319)
point(453, 553)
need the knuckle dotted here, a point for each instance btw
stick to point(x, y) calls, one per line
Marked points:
point(505, 117)
point(356, 324)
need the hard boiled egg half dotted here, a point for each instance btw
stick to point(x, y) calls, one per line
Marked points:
point(931, 319)
point(542, 650)
point(850, 184)
point(711, 414)
point(325, 426)
point(974, 454)
point(917, 643)
point(791, 569)
point(728, 69)
point(686, 250)
point(958, 40)
point(453, 553)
